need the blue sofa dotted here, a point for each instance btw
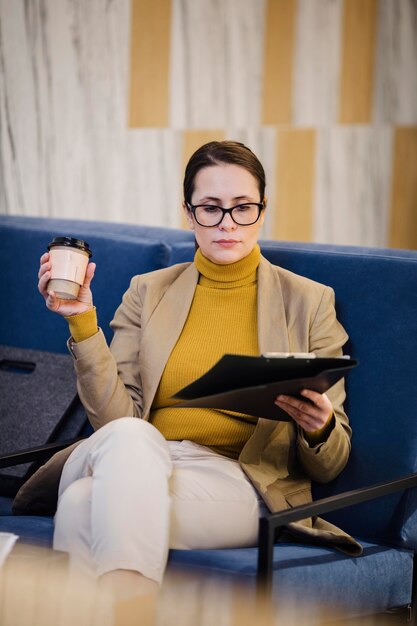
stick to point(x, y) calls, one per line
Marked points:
point(376, 301)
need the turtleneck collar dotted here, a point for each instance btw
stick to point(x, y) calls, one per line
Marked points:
point(231, 275)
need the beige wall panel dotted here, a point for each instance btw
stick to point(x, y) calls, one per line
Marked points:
point(395, 96)
point(149, 63)
point(152, 175)
point(403, 227)
point(294, 184)
point(278, 63)
point(353, 182)
point(63, 100)
point(317, 62)
point(193, 139)
point(217, 54)
point(358, 61)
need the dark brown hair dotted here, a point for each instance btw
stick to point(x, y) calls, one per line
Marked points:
point(216, 152)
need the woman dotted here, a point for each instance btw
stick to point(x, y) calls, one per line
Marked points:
point(196, 478)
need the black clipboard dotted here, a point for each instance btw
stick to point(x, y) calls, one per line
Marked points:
point(249, 384)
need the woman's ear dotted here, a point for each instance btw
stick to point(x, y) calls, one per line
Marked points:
point(262, 215)
point(188, 216)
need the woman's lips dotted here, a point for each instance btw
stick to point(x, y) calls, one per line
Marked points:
point(226, 243)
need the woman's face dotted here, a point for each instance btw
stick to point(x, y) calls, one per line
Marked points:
point(225, 185)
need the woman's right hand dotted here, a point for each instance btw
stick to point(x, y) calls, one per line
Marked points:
point(66, 308)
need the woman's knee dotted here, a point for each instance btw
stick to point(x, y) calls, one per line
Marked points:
point(76, 496)
point(131, 427)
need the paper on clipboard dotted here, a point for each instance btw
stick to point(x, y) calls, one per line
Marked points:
point(249, 385)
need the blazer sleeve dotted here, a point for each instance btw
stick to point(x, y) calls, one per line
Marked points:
point(326, 460)
point(108, 379)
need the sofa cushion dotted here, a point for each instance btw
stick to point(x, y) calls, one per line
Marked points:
point(379, 579)
point(30, 529)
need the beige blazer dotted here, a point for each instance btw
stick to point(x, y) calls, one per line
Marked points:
point(294, 315)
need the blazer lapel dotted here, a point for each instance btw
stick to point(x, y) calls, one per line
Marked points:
point(162, 332)
point(272, 326)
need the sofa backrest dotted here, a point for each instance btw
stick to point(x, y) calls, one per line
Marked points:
point(376, 301)
point(63, 226)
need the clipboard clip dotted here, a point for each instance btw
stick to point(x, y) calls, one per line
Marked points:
point(296, 355)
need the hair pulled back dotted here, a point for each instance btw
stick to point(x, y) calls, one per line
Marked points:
point(217, 152)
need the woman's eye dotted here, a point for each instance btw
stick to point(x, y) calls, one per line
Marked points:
point(211, 209)
point(242, 208)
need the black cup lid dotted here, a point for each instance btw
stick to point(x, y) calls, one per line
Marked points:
point(70, 242)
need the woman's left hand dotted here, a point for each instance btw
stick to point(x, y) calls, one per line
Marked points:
point(311, 414)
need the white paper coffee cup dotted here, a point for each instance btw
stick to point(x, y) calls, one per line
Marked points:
point(69, 258)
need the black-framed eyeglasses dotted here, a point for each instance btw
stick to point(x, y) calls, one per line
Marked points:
point(209, 215)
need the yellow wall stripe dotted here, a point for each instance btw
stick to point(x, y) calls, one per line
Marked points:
point(278, 61)
point(193, 139)
point(294, 184)
point(149, 63)
point(358, 61)
point(403, 227)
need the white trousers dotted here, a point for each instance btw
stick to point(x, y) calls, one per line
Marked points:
point(127, 495)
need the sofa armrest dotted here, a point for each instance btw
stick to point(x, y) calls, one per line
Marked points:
point(39, 453)
point(270, 525)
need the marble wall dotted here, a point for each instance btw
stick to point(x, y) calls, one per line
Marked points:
point(102, 102)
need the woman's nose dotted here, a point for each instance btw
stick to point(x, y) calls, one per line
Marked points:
point(227, 222)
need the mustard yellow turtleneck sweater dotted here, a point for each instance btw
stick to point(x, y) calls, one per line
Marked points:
point(222, 319)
